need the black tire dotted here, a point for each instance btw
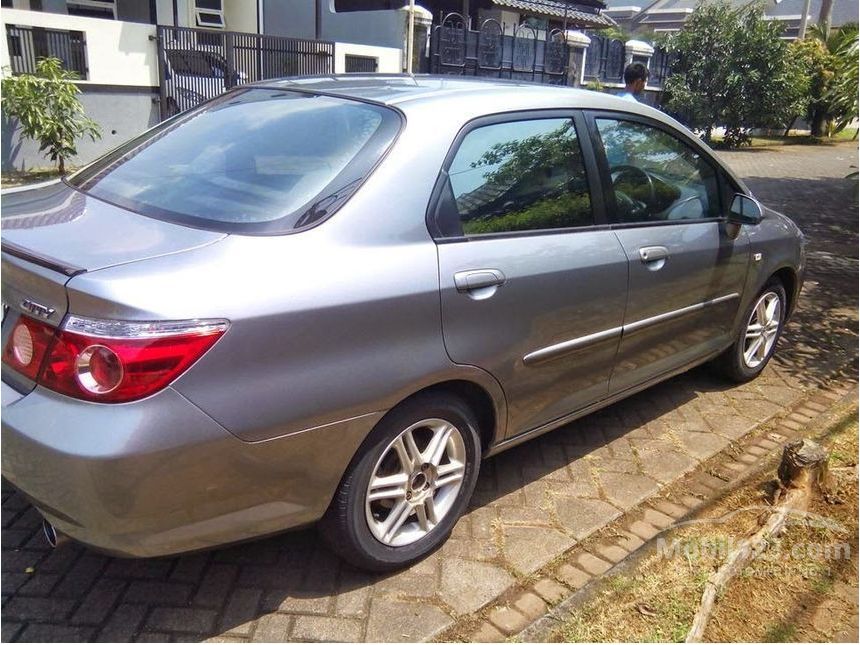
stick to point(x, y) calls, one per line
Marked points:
point(345, 528)
point(731, 363)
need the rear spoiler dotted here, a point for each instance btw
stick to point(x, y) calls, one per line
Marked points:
point(42, 260)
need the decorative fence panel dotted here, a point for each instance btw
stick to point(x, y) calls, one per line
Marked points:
point(199, 64)
point(526, 54)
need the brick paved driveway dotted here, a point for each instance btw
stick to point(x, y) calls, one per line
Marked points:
point(532, 503)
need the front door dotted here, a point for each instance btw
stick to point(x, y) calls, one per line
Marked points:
point(686, 273)
point(532, 288)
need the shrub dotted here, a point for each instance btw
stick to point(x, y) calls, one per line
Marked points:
point(47, 107)
point(732, 69)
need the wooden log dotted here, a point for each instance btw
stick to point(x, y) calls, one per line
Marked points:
point(802, 472)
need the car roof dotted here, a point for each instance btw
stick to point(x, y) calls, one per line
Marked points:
point(458, 93)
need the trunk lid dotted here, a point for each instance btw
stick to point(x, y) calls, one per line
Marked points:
point(52, 232)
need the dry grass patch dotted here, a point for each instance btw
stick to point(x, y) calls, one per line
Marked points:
point(776, 596)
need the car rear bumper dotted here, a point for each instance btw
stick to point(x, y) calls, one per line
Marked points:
point(159, 476)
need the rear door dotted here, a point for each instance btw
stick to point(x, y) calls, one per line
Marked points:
point(686, 272)
point(533, 283)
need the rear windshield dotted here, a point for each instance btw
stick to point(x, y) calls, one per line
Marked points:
point(254, 160)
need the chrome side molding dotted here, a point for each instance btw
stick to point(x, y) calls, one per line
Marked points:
point(574, 344)
point(569, 346)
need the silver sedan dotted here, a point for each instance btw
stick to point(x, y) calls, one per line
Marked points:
point(326, 300)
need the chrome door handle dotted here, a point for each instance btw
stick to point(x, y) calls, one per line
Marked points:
point(478, 279)
point(653, 253)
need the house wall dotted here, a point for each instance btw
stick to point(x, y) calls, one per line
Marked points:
point(118, 52)
point(296, 18)
point(240, 15)
point(389, 59)
point(293, 18)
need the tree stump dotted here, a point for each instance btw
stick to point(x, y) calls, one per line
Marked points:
point(802, 473)
point(804, 466)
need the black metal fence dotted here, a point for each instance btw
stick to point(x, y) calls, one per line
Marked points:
point(198, 64)
point(27, 44)
point(526, 54)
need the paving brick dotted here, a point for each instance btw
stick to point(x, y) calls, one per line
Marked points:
point(39, 585)
point(815, 406)
point(153, 637)
point(643, 530)
point(397, 621)
point(508, 620)
point(530, 605)
point(190, 568)
point(670, 509)
point(550, 590)
point(691, 502)
point(122, 624)
point(8, 630)
point(97, 604)
point(467, 585)
point(487, 633)
point(241, 609)
point(173, 619)
point(38, 609)
point(656, 518)
point(790, 424)
point(768, 444)
point(628, 541)
point(82, 575)
point(277, 601)
point(610, 552)
point(272, 628)
point(49, 633)
point(592, 564)
point(326, 629)
point(573, 577)
point(216, 585)
point(162, 593)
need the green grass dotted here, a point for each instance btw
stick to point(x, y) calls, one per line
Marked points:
point(780, 633)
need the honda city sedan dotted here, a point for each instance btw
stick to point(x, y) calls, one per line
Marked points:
point(325, 300)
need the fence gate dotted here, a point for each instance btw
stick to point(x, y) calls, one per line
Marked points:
point(195, 65)
point(525, 54)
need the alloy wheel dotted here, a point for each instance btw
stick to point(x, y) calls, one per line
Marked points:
point(762, 329)
point(415, 482)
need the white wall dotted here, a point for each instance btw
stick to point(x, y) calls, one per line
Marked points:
point(240, 15)
point(388, 58)
point(118, 53)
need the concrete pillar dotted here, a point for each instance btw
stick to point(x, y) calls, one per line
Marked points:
point(638, 49)
point(423, 20)
point(578, 43)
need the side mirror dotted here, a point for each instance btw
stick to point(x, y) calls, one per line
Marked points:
point(745, 210)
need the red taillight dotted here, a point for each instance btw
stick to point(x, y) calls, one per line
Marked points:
point(114, 361)
point(27, 346)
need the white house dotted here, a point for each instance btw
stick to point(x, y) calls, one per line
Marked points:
point(112, 45)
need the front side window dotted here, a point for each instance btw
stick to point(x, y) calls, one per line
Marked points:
point(655, 176)
point(518, 176)
point(256, 160)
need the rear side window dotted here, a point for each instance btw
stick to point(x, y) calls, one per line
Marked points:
point(516, 176)
point(256, 160)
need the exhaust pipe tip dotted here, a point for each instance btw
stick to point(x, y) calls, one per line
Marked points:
point(52, 535)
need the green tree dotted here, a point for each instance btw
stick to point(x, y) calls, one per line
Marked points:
point(830, 63)
point(46, 106)
point(731, 69)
